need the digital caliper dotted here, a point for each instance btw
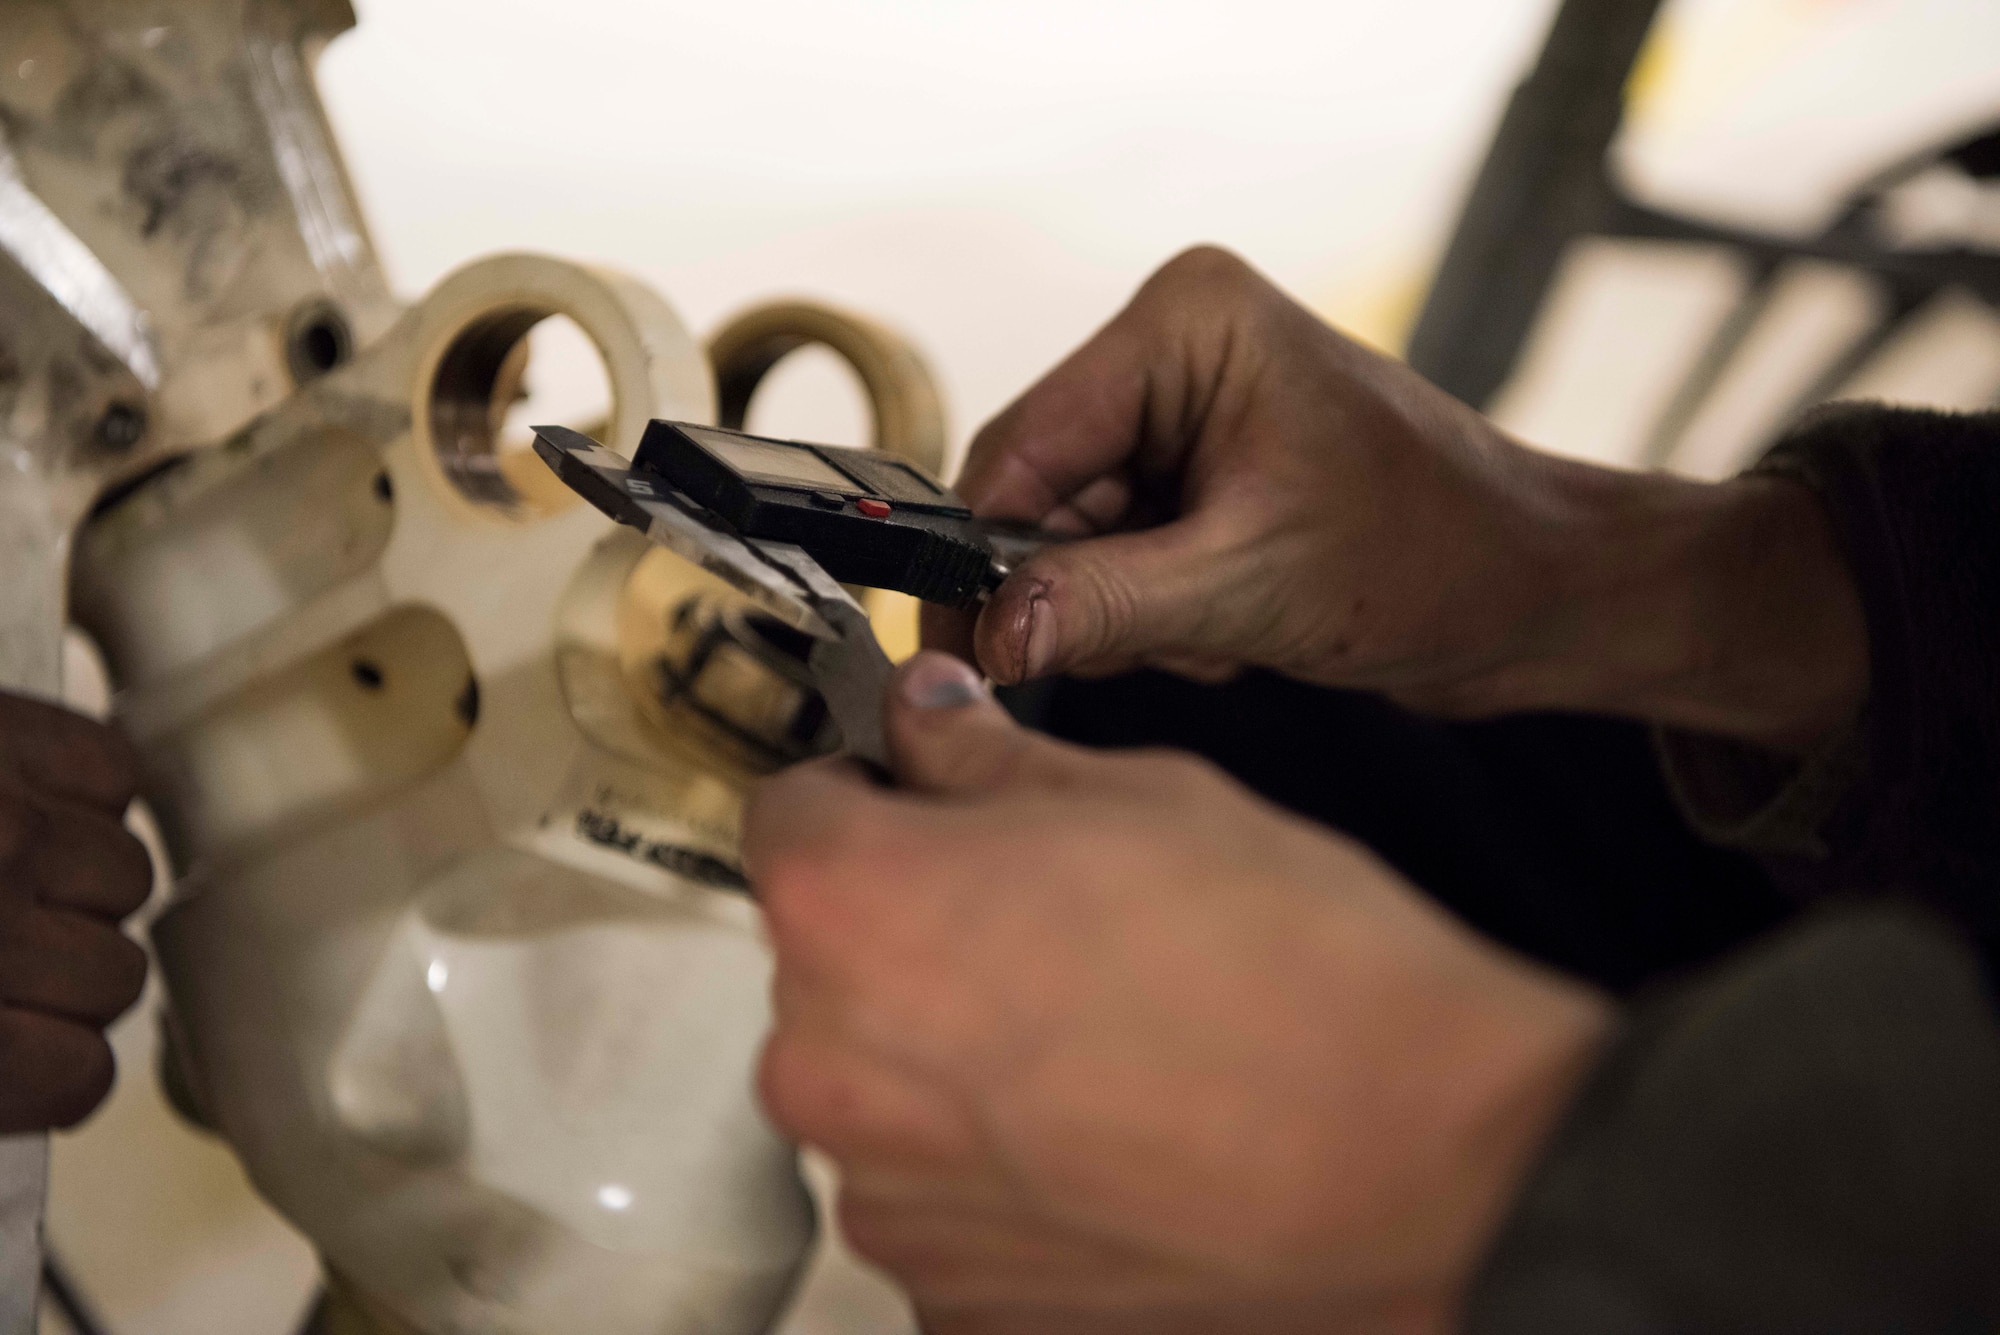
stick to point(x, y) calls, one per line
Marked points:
point(787, 523)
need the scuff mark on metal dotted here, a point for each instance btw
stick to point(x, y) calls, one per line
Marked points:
point(55, 258)
point(307, 162)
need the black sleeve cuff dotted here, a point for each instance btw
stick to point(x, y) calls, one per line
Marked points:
point(1908, 804)
point(1740, 796)
point(1914, 501)
point(1806, 1140)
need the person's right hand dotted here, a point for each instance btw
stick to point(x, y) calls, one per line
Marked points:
point(1105, 1043)
point(1260, 490)
point(69, 871)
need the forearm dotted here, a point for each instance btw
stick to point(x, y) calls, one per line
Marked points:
point(1724, 608)
point(1856, 563)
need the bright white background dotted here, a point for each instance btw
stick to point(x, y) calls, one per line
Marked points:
point(994, 176)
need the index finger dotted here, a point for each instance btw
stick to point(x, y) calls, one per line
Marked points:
point(1132, 398)
point(1076, 424)
point(61, 754)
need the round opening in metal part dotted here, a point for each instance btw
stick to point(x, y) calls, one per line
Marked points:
point(812, 394)
point(317, 339)
point(121, 427)
point(507, 371)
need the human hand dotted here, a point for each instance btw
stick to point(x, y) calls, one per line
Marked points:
point(1266, 492)
point(1102, 1042)
point(69, 871)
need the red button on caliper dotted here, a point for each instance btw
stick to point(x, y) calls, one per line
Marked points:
point(873, 508)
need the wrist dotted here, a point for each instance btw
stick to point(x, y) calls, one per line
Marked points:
point(1719, 607)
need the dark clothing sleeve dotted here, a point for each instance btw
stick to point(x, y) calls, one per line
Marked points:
point(1807, 1138)
point(1908, 803)
point(1797, 1143)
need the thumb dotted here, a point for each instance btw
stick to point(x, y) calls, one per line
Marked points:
point(948, 736)
point(1112, 602)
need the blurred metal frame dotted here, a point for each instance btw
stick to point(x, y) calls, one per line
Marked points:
point(1547, 182)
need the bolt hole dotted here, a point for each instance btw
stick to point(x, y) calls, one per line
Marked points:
point(121, 427)
point(385, 490)
point(367, 674)
point(320, 344)
point(318, 341)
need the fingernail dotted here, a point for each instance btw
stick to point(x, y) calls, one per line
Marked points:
point(939, 681)
point(1040, 640)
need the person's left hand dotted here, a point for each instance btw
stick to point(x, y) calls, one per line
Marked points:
point(1106, 1043)
point(69, 872)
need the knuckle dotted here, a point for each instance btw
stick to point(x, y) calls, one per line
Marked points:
point(780, 847)
point(831, 931)
point(131, 873)
point(944, 1270)
point(871, 1229)
point(785, 890)
point(1202, 267)
point(116, 764)
point(82, 755)
point(1188, 770)
point(761, 814)
point(800, 1092)
point(89, 1072)
point(795, 810)
point(126, 966)
point(802, 895)
point(985, 760)
point(87, 861)
point(53, 1073)
point(829, 917)
point(79, 966)
point(827, 837)
point(1036, 763)
point(1106, 599)
point(778, 1085)
point(1174, 772)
